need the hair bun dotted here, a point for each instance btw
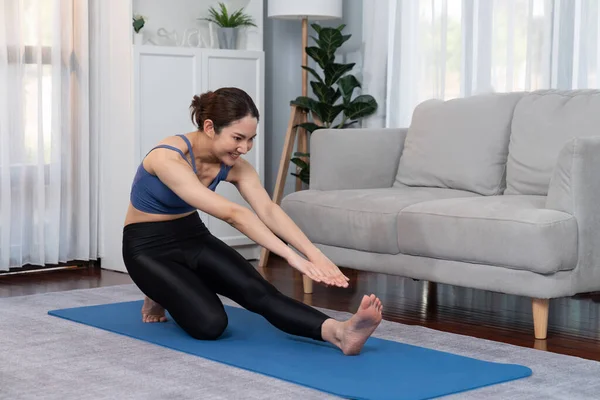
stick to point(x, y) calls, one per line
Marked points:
point(206, 97)
point(196, 102)
point(222, 107)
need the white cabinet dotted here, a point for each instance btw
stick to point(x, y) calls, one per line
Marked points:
point(165, 80)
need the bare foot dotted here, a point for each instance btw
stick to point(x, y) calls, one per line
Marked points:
point(152, 311)
point(350, 336)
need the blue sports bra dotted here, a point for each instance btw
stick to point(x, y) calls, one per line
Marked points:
point(149, 194)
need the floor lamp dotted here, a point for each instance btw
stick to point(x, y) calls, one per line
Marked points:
point(304, 10)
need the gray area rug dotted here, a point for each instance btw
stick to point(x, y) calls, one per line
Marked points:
point(44, 357)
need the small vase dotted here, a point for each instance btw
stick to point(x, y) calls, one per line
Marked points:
point(138, 38)
point(227, 37)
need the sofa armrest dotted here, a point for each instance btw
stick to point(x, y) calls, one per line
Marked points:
point(575, 189)
point(362, 158)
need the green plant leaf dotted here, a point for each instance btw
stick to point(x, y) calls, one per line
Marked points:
point(330, 39)
point(327, 112)
point(334, 71)
point(319, 55)
point(310, 126)
point(349, 124)
point(313, 73)
point(299, 162)
point(362, 106)
point(222, 17)
point(305, 175)
point(138, 24)
point(305, 103)
point(336, 96)
point(347, 84)
point(308, 104)
point(325, 94)
point(341, 27)
point(316, 27)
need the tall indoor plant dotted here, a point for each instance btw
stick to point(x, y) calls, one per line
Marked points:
point(334, 106)
point(228, 24)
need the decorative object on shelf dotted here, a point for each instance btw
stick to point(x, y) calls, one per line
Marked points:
point(228, 25)
point(298, 10)
point(171, 38)
point(138, 24)
point(334, 92)
point(189, 41)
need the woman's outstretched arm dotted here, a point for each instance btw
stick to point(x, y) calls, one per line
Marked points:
point(174, 172)
point(245, 178)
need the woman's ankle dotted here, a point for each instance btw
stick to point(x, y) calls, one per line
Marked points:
point(331, 331)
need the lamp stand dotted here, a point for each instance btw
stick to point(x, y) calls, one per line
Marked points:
point(293, 133)
point(303, 135)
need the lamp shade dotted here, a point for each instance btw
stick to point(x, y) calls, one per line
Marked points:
point(299, 9)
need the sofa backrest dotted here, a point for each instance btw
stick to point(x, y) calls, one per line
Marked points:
point(459, 144)
point(543, 122)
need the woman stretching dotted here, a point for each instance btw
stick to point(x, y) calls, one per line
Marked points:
point(181, 267)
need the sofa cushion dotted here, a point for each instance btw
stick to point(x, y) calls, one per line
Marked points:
point(508, 231)
point(543, 122)
point(459, 144)
point(362, 219)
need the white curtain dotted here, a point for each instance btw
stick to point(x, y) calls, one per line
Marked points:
point(48, 159)
point(445, 49)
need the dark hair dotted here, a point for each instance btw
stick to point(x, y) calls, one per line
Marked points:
point(223, 107)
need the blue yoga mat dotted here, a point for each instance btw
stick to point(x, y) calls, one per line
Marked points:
point(384, 369)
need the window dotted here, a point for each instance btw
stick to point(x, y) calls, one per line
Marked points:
point(36, 30)
point(464, 43)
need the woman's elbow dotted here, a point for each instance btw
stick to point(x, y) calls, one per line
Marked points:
point(237, 215)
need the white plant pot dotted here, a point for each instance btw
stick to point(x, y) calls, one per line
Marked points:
point(227, 37)
point(138, 38)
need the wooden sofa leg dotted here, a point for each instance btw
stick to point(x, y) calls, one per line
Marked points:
point(307, 283)
point(540, 317)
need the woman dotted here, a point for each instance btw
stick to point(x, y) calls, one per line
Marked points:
point(181, 267)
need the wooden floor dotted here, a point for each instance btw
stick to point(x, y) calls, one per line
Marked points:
point(574, 323)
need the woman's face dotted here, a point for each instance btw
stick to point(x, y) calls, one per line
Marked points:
point(235, 139)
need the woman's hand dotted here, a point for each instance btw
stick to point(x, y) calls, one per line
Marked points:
point(320, 270)
point(329, 268)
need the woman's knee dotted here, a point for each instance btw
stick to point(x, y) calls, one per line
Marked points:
point(258, 296)
point(208, 328)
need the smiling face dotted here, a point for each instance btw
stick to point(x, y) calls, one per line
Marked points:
point(234, 139)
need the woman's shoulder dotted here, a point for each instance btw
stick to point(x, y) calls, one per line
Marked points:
point(177, 140)
point(240, 170)
point(171, 147)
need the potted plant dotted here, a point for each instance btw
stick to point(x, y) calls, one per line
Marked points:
point(138, 23)
point(335, 106)
point(228, 24)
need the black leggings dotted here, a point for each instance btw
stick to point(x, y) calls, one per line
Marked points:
point(180, 265)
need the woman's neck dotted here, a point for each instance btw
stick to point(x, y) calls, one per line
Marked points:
point(202, 145)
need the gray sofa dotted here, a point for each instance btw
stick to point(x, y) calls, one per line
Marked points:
point(499, 192)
